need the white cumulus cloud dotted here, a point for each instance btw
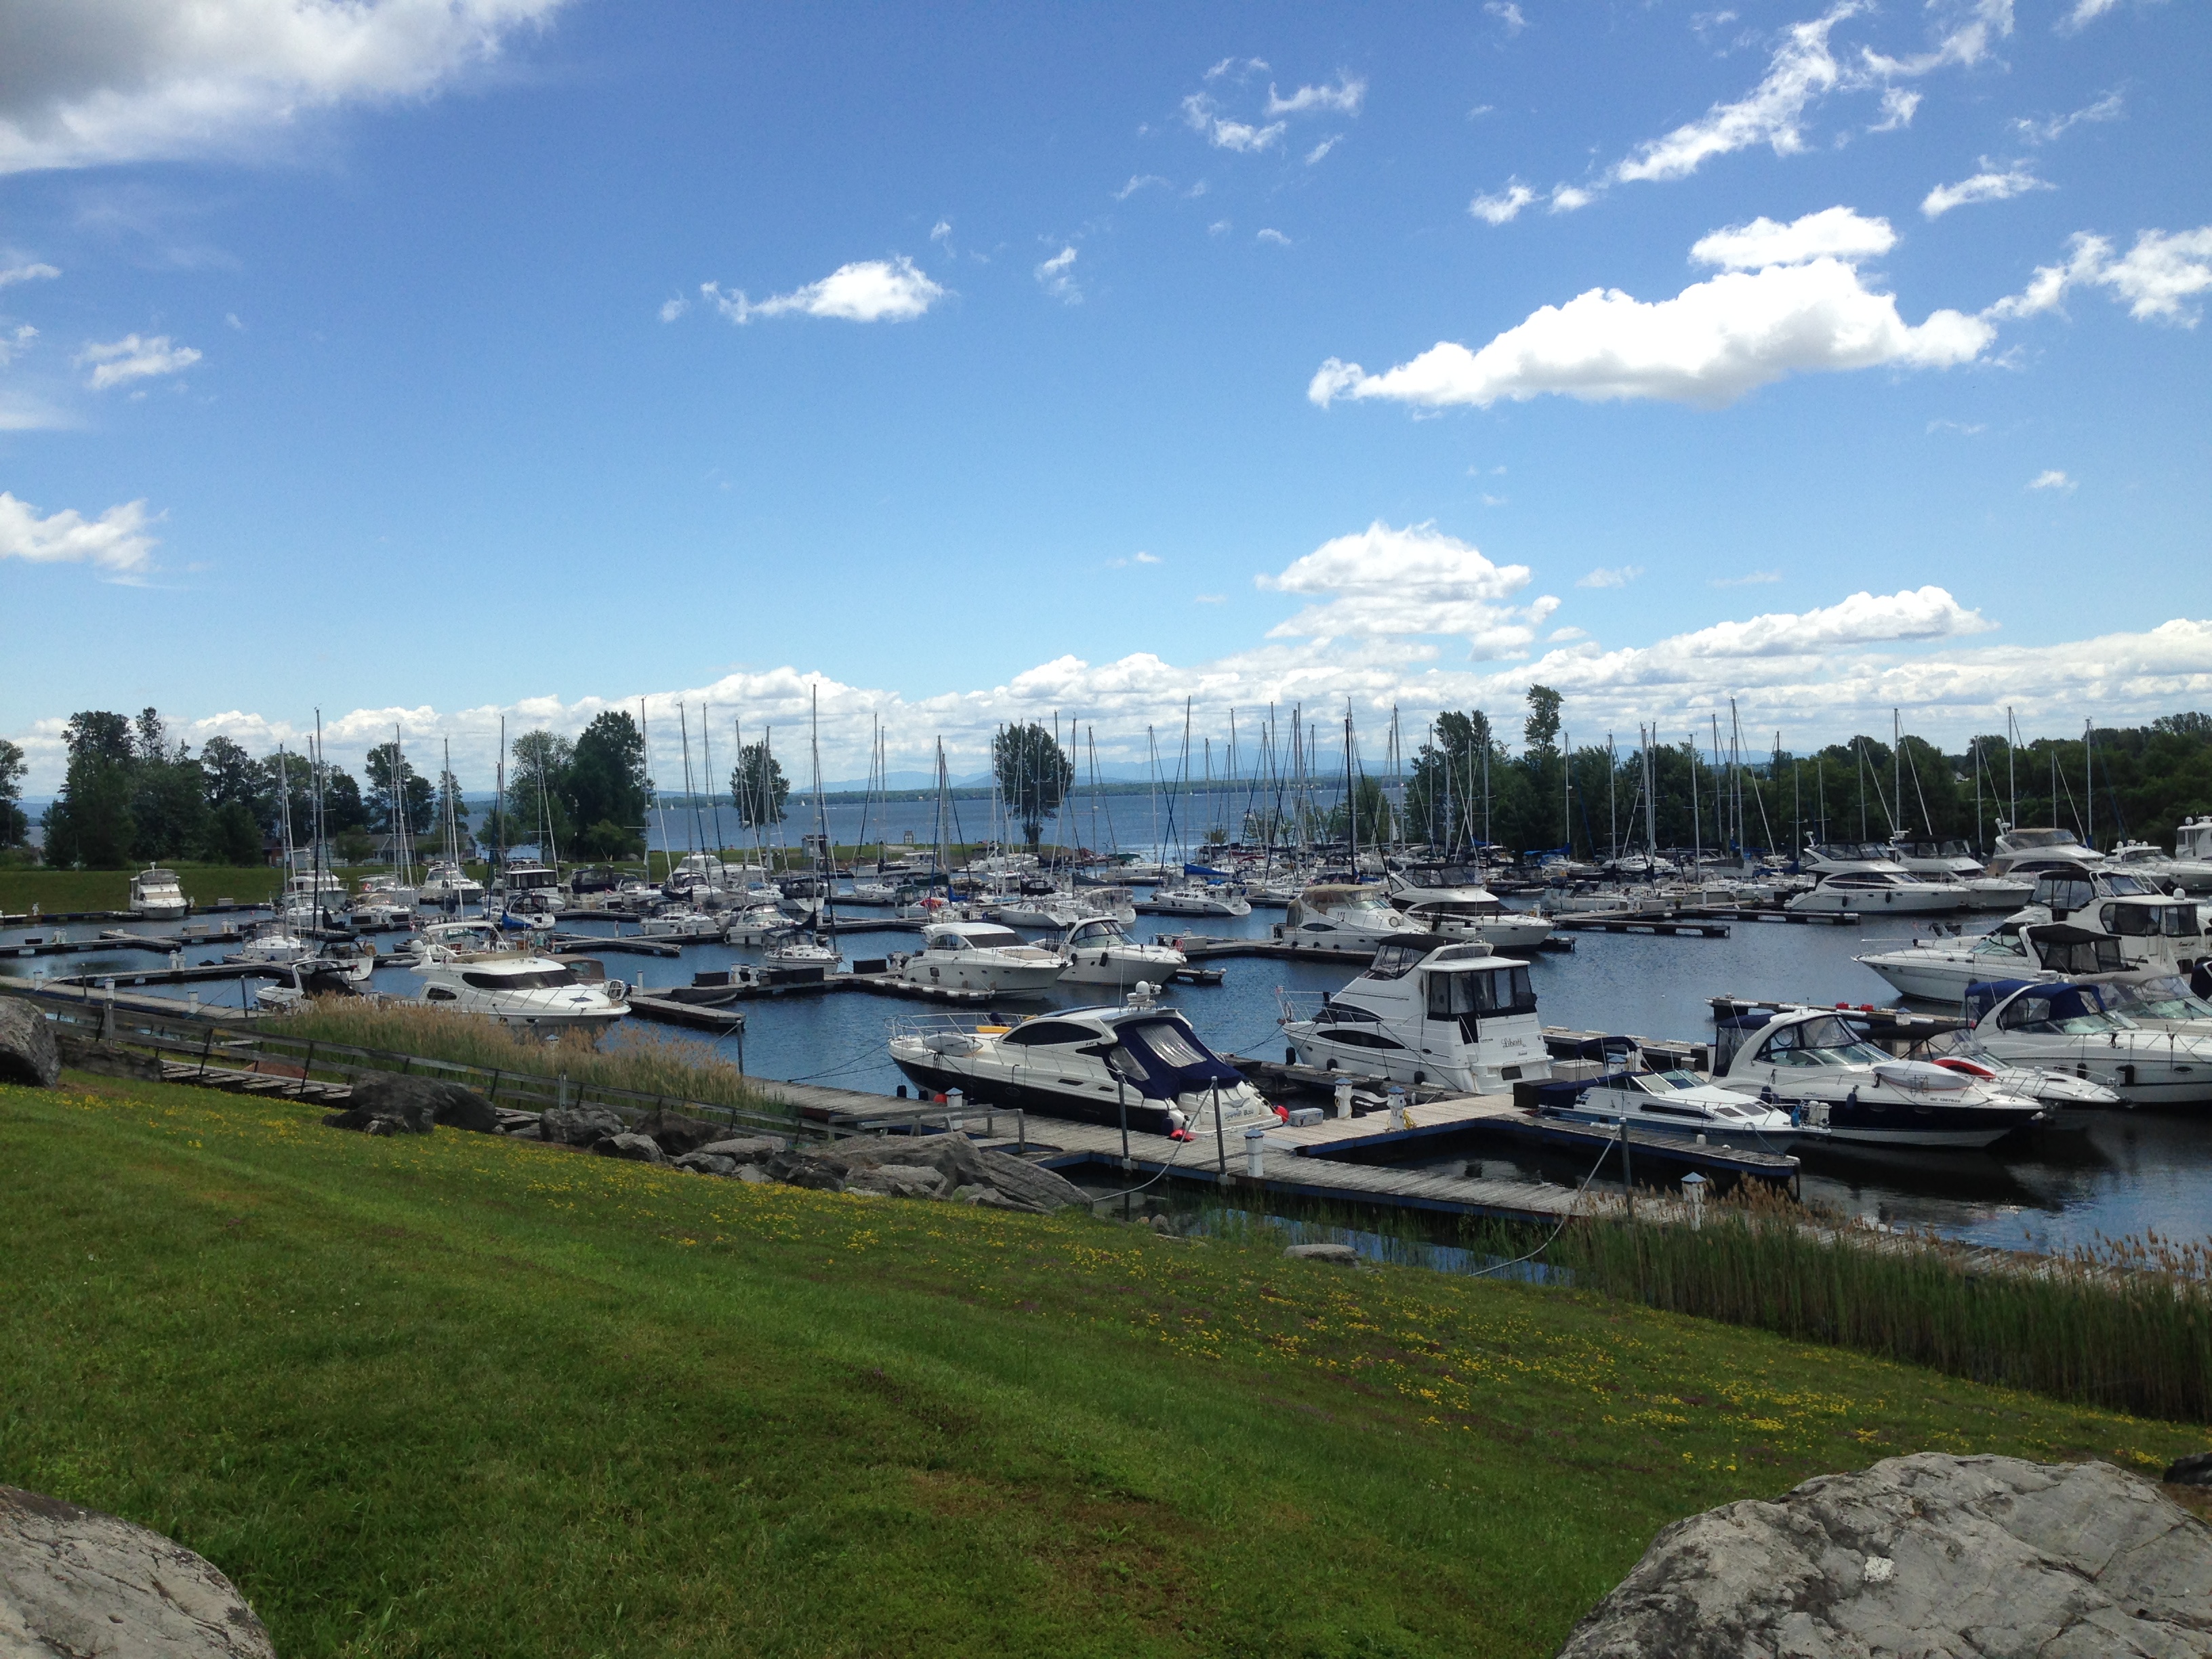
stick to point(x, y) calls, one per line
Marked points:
point(116, 540)
point(1204, 116)
point(1708, 346)
point(1508, 14)
point(1343, 96)
point(2158, 278)
point(1987, 186)
point(91, 82)
point(1614, 576)
point(1503, 207)
point(865, 291)
point(2053, 479)
point(1803, 69)
point(1057, 275)
point(28, 273)
point(1833, 233)
point(133, 358)
point(1386, 582)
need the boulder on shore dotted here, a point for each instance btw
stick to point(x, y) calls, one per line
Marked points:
point(73, 1580)
point(1342, 1254)
point(897, 1181)
point(705, 1164)
point(581, 1126)
point(676, 1135)
point(1018, 1183)
point(27, 1051)
point(746, 1149)
point(389, 1094)
point(638, 1149)
point(1931, 1555)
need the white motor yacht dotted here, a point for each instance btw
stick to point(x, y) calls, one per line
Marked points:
point(1953, 860)
point(1196, 898)
point(1340, 916)
point(2191, 865)
point(313, 898)
point(1939, 969)
point(2068, 1025)
point(1682, 1104)
point(1140, 1063)
point(2157, 1003)
point(800, 956)
point(445, 882)
point(1454, 1015)
point(388, 889)
point(1810, 1059)
point(754, 924)
point(517, 987)
point(528, 886)
point(681, 924)
point(2158, 932)
point(978, 956)
point(2026, 853)
point(273, 942)
point(1877, 891)
point(1449, 899)
point(157, 896)
point(1100, 951)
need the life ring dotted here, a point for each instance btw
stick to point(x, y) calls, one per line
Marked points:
point(616, 991)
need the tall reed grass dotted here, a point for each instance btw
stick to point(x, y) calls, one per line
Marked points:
point(649, 1063)
point(2125, 1324)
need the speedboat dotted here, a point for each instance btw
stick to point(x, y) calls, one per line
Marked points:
point(1809, 1059)
point(447, 883)
point(1100, 951)
point(754, 924)
point(518, 987)
point(1678, 1103)
point(2068, 1025)
point(2026, 853)
point(1939, 969)
point(800, 957)
point(977, 956)
point(1456, 1016)
point(1877, 889)
point(1140, 1062)
point(157, 896)
point(1197, 897)
point(1952, 860)
point(1340, 916)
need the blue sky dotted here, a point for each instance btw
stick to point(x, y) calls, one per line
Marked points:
point(431, 360)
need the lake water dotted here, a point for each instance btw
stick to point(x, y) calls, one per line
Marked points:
point(2130, 1173)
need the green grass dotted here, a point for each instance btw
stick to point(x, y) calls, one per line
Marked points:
point(65, 891)
point(646, 1061)
point(457, 1395)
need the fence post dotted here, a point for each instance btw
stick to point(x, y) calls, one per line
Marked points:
point(1220, 1142)
point(206, 1049)
point(1627, 1170)
point(307, 1068)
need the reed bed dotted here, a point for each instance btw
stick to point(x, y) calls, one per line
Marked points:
point(2124, 1324)
point(649, 1063)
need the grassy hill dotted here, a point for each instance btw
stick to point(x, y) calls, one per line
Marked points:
point(457, 1395)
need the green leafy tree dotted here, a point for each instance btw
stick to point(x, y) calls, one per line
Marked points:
point(229, 772)
point(1541, 733)
point(1034, 773)
point(89, 824)
point(607, 784)
point(1377, 821)
point(14, 825)
point(758, 787)
point(1444, 795)
point(232, 835)
point(390, 773)
point(536, 790)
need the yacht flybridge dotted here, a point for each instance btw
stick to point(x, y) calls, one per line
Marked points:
point(1954, 861)
point(1457, 1016)
point(517, 987)
point(1141, 1059)
point(2026, 853)
point(1340, 915)
point(1449, 899)
point(157, 896)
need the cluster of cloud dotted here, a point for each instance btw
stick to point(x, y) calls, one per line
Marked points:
point(1805, 70)
point(1057, 276)
point(2158, 278)
point(117, 540)
point(865, 291)
point(1789, 299)
point(92, 82)
point(1388, 583)
point(118, 362)
point(1987, 186)
point(1203, 111)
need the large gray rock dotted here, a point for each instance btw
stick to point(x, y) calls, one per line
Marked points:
point(1032, 1183)
point(28, 1053)
point(581, 1126)
point(1930, 1556)
point(676, 1135)
point(1342, 1254)
point(746, 1149)
point(388, 1094)
point(705, 1164)
point(75, 1583)
point(638, 1149)
point(897, 1181)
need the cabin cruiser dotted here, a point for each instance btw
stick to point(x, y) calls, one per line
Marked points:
point(1055, 911)
point(978, 956)
point(1449, 899)
point(1811, 1059)
point(801, 956)
point(2159, 1003)
point(447, 883)
point(157, 896)
point(1874, 890)
point(1100, 951)
point(1338, 916)
point(2026, 853)
point(2158, 932)
point(1140, 1062)
point(1678, 1103)
point(1196, 898)
point(314, 897)
point(1953, 860)
point(754, 924)
point(2069, 1025)
point(273, 942)
point(2191, 865)
point(681, 924)
point(527, 885)
point(1939, 969)
point(1457, 1016)
point(517, 987)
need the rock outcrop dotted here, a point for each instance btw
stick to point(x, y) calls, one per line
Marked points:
point(581, 1126)
point(28, 1053)
point(639, 1149)
point(74, 1582)
point(676, 1135)
point(746, 1149)
point(1934, 1556)
point(389, 1094)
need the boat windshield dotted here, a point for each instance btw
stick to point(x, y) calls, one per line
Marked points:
point(1823, 1042)
point(1677, 1081)
point(2021, 839)
point(2165, 997)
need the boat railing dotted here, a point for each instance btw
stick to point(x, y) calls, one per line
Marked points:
point(925, 1026)
point(1300, 1004)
